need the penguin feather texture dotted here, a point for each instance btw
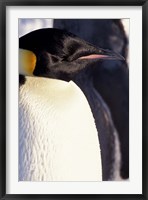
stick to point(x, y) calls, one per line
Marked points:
point(58, 140)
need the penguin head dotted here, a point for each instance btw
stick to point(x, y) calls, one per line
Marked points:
point(56, 53)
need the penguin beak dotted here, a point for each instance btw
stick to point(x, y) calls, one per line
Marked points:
point(27, 62)
point(103, 54)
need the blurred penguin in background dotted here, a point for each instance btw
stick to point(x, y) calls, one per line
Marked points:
point(107, 89)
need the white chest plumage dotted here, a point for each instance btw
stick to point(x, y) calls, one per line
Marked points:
point(57, 135)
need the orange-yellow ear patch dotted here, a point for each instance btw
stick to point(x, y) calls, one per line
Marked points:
point(27, 62)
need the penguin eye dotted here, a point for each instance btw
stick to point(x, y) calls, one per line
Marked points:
point(64, 58)
point(54, 59)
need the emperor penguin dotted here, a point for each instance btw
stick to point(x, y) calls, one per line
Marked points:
point(58, 139)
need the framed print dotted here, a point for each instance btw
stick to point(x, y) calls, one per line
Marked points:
point(74, 93)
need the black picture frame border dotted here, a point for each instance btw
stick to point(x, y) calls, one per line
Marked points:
point(3, 5)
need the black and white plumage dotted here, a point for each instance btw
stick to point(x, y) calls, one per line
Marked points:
point(109, 78)
point(107, 134)
point(56, 54)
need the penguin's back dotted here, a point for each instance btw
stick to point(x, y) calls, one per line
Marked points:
point(57, 135)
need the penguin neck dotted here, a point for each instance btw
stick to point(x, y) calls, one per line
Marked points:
point(84, 79)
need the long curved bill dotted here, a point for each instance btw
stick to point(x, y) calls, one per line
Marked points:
point(104, 55)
